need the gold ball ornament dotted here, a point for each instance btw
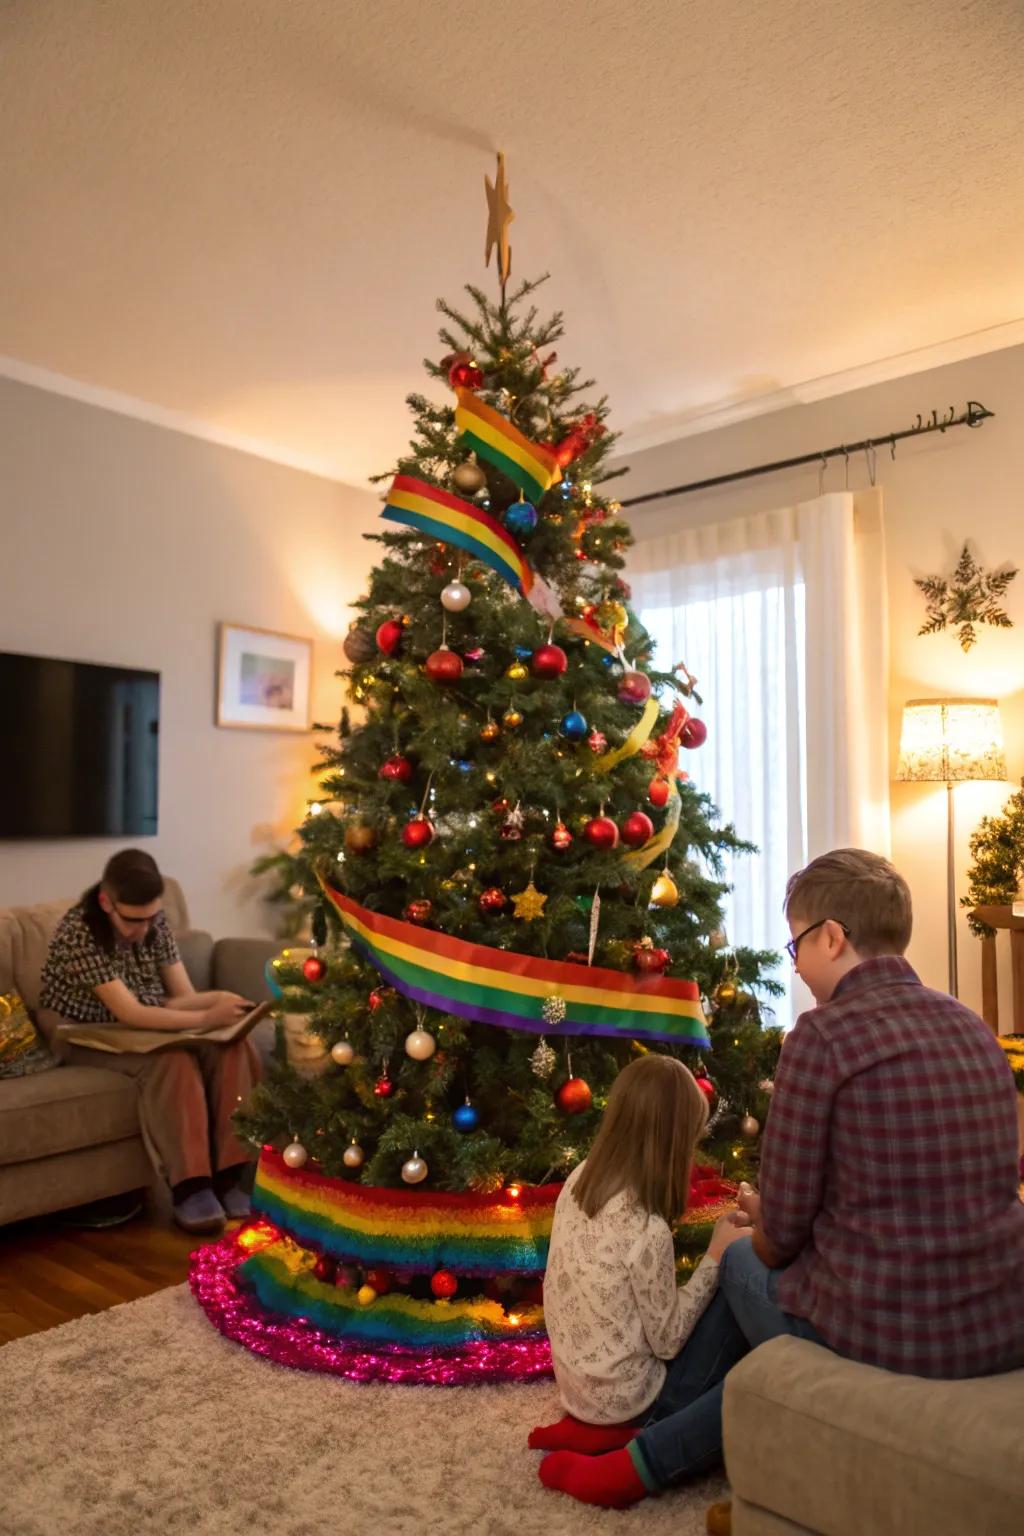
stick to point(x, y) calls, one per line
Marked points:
point(353, 1155)
point(724, 994)
point(490, 731)
point(469, 477)
point(342, 1053)
point(664, 891)
point(366, 1295)
point(749, 1127)
point(516, 672)
point(511, 719)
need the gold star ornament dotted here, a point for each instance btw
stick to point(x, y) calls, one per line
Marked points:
point(499, 216)
point(529, 903)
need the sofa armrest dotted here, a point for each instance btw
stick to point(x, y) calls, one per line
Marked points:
point(238, 966)
point(196, 950)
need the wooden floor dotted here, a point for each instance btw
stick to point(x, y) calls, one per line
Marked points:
point(50, 1274)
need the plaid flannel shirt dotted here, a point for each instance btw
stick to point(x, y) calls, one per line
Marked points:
point(889, 1179)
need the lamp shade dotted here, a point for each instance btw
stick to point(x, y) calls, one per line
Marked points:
point(948, 740)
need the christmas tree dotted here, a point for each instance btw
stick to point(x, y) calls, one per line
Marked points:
point(515, 889)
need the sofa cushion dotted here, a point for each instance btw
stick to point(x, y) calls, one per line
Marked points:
point(835, 1446)
point(25, 934)
point(60, 1111)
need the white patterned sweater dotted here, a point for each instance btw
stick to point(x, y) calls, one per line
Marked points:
point(612, 1308)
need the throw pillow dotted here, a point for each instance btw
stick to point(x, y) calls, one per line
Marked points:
point(21, 1050)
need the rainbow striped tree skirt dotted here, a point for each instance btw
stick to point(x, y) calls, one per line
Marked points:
point(337, 1276)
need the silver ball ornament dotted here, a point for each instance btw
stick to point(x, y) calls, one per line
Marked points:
point(342, 1053)
point(469, 477)
point(456, 596)
point(295, 1154)
point(420, 1045)
point(415, 1169)
point(353, 1155)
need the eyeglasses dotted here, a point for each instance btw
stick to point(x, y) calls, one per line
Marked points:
point(133, 920)
point(794, 944)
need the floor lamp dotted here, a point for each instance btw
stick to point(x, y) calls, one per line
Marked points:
point(945, 741)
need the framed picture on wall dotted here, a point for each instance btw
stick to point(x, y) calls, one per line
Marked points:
point(263, 679)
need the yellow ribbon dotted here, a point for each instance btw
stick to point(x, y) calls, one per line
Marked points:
point(634, 741)
point(657, 845)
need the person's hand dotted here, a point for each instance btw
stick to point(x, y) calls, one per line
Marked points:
point(749, 1202)
point(228, 1009)
point(727, 1231)
point(234, 997)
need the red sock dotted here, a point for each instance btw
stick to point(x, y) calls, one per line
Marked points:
point(610, 1480)
point(571, 1434)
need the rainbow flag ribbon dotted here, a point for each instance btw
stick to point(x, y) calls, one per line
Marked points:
point(443, 516)
point(419, 1230)
point(498, 986)
point(530, 466)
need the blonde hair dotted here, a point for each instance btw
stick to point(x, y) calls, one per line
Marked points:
point(655, 1116)
point(862, 891)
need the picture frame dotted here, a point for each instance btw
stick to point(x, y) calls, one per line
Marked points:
point(263, 679)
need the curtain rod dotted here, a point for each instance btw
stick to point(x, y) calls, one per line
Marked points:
point(973, 416)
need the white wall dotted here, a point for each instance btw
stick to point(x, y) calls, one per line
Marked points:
point(939, 491)
point(125, 543)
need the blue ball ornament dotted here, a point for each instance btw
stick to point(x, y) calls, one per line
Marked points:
point(466, 1118)
point(523, 652)
point(521, 519)
point(574, 726)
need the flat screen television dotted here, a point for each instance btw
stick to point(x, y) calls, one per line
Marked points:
point(79, 749)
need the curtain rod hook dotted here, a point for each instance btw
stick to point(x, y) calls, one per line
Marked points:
point(822, 467)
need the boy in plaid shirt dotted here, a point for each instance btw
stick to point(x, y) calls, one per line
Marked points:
point(889, 1226)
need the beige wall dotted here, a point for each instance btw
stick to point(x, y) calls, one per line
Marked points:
point(126, 543)
point(939, 491)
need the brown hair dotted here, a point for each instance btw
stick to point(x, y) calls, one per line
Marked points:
point(862, 891)
point(654, 1118)
point(130, 876)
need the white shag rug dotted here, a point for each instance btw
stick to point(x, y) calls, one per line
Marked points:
point(144, 1421)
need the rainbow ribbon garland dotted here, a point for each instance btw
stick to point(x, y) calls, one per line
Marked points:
point(443, 516)
point(530, 466)
point(513, 991)
point(418, 1230)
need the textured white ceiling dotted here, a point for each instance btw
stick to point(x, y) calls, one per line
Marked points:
point(243, 210)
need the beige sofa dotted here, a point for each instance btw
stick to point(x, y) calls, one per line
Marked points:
point(71, 1135)
point(815, 1443)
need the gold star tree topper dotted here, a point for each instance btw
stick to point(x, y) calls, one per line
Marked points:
point(499, 216)
point(529, 903)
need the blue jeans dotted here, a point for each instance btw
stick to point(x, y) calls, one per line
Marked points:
point(682, 1436)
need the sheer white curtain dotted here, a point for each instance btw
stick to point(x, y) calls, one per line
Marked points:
point(781, 617)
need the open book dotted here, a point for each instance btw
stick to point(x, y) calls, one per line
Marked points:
point(124, 1039)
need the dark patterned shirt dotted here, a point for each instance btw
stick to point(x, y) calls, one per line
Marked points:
point(889, 1179)
point(76, 965)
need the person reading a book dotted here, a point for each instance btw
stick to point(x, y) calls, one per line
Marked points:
point(113, 961)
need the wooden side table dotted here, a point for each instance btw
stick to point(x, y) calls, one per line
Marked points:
point(999, 918)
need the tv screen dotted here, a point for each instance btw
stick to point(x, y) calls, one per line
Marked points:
point(79, 749)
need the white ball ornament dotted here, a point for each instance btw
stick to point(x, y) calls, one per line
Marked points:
point(353, 1156)
point(420, 1045)
point(342, 1052)
point(295, 1154)
point(415, 1170)
point(456, 596)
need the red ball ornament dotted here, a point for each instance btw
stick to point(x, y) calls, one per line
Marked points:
point(418, 832)
point(597, 741)
point(634, 688)
point(637, 829)
point(389, 636)
point(418, 911)
point(602, 833)
point(326, 1269)
point(464, 374)
point(650, 961)
point(548, 661)
point(444, 1283)
point(657, 792)
point(313, 968)
point(376, 998)
point(492, 900)
point(574, 1097)
point(694, 733)
point(706, 1087)
point(380, 1279)
point(384, 1087)
point(443, 666)
point(398, 768)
